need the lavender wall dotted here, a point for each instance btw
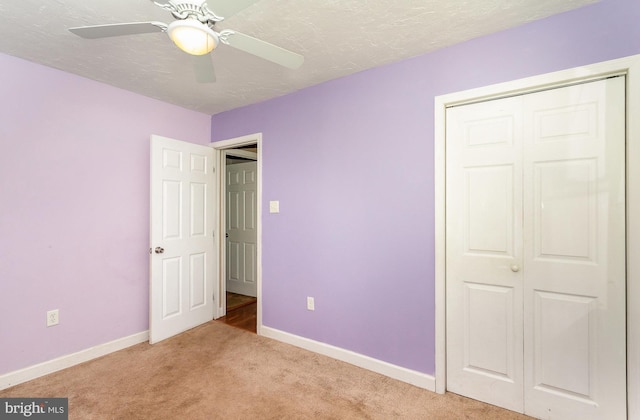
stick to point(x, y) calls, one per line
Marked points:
point(351, 162)
point(74, 212)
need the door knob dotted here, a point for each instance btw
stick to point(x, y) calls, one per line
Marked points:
point(159, 250)
point(515, 268)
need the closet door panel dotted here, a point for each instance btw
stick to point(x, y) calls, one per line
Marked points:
point(484, 237)
point(574, 251)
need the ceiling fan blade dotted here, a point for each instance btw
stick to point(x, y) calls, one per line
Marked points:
point(227, 8)
point(262, 49)
point(118, 29)
point(203, 68)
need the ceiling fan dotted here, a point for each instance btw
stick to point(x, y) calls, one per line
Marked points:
point(194, 32)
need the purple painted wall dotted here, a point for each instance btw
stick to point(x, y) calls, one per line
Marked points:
point(74, 209)
point(351, 162)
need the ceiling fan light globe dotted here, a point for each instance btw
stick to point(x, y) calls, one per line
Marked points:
point(192, 36)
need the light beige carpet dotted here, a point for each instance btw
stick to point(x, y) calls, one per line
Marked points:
point(219, 372)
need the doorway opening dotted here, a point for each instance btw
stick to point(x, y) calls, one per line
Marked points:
point(239, 241)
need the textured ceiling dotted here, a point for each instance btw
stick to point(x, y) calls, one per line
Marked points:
point(337, 38)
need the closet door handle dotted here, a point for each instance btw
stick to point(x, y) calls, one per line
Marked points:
point(515, 268)
point(159, 250)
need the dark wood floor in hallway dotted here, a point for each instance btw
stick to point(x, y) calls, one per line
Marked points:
point(244, 317)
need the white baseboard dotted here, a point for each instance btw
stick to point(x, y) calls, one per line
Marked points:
point(412, 377)
point(32, 372)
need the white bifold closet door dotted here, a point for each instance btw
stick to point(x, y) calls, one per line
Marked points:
point(535, 231)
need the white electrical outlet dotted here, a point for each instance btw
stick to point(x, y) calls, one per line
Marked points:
point(53, 318)
point(311, 305)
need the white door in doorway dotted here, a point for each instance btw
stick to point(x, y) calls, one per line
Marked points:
point(241, 223)
point(182, 246)
point(536, 251)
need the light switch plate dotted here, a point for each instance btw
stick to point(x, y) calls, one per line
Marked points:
point(274, 207)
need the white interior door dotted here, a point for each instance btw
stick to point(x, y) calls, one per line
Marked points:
point(574, 252)
point(484, 237)
point(182, 246)
point(536, 252)
point(241, 223)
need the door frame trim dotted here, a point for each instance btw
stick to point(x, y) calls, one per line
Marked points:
point(219, 285)
point(628, 66)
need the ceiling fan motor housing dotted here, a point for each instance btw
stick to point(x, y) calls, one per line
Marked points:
point(193, 9)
